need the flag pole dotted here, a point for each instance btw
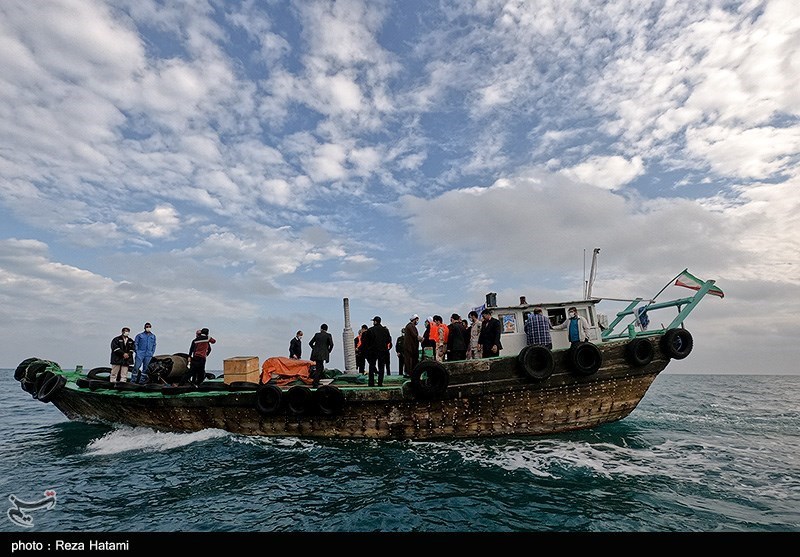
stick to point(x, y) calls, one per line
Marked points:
point(666, 285)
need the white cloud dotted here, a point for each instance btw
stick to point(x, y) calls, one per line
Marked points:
point(161, 222)
point(746, 153)
point(606, 172)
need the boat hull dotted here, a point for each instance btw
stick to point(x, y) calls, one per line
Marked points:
point(485, 398)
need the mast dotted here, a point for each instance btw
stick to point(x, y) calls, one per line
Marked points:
point(592, 273)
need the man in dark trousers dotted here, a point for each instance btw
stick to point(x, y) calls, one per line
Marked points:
point(122, 350)
point(375, 342)
point(398, 348)
point(321, 347)
point(296, 346)
point(489, 338)
point(411, 345)
point(198, 353)
point(457, 340)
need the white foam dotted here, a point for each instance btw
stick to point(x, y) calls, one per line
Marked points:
point(147, 440)
point(270, 442)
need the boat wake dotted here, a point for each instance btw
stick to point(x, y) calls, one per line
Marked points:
point(144, 439)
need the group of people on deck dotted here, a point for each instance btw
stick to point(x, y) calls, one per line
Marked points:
point(138, 352)
point(459, 340)
point(538, 327)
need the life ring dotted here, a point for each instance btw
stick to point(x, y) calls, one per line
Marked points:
point(639, 352)
point(429, 379)
point(537, 362)
point(100, 373)
point(330, 400)
point(677, 343)
point(51, 387)
point(268, 399)
point(299, 399)
point(19, 373)
point(585, 358)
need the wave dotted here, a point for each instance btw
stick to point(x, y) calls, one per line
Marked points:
point(144, 439)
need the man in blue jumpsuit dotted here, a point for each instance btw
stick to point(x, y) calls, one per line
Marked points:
point(145, 348)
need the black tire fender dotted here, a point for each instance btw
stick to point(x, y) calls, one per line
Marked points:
point(330, 400)
point(269, 399)
point(537, 362)
point(39, 382)
point(677, 343)
point(243, 386)
point(19, 373)
point(34, 369)
point(179, 390)
point(99, 373)
point(299, 399)
point(585, 358)
point(83, 382)
point(429, 379)
point(52, 387)
point(95, 384)
point(639, 352)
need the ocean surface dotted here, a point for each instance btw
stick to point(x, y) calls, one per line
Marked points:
point(701, 453)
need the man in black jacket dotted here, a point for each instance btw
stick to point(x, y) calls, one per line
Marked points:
point(375, 342)
point(296, 346)
point(489, 338)
point(321, 347)
point(122, 349)
point(456, 339)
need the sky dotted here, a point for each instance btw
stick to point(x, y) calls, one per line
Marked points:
point(246, 165)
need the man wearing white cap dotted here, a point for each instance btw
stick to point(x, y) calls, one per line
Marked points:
point(411, 345)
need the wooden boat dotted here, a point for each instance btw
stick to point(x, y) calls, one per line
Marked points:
point(529, 390)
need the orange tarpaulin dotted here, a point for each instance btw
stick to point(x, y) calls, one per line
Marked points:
point(286, 370)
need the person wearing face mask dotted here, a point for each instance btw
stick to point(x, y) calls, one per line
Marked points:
point(577, 327)
point(145, 343)
point(122, 348)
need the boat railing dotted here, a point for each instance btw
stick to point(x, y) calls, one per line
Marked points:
point(639, 327)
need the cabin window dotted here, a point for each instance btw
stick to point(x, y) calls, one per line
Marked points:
point(509, 322)
point(557, 316)
point(525, 315)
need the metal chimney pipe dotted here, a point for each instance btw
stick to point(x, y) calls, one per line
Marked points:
point(347, 341)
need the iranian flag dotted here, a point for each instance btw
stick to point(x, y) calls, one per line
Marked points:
point(688, 280)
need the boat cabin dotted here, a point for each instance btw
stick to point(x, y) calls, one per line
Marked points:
point(512, 319)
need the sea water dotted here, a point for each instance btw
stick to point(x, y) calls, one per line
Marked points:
point(701, 453)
